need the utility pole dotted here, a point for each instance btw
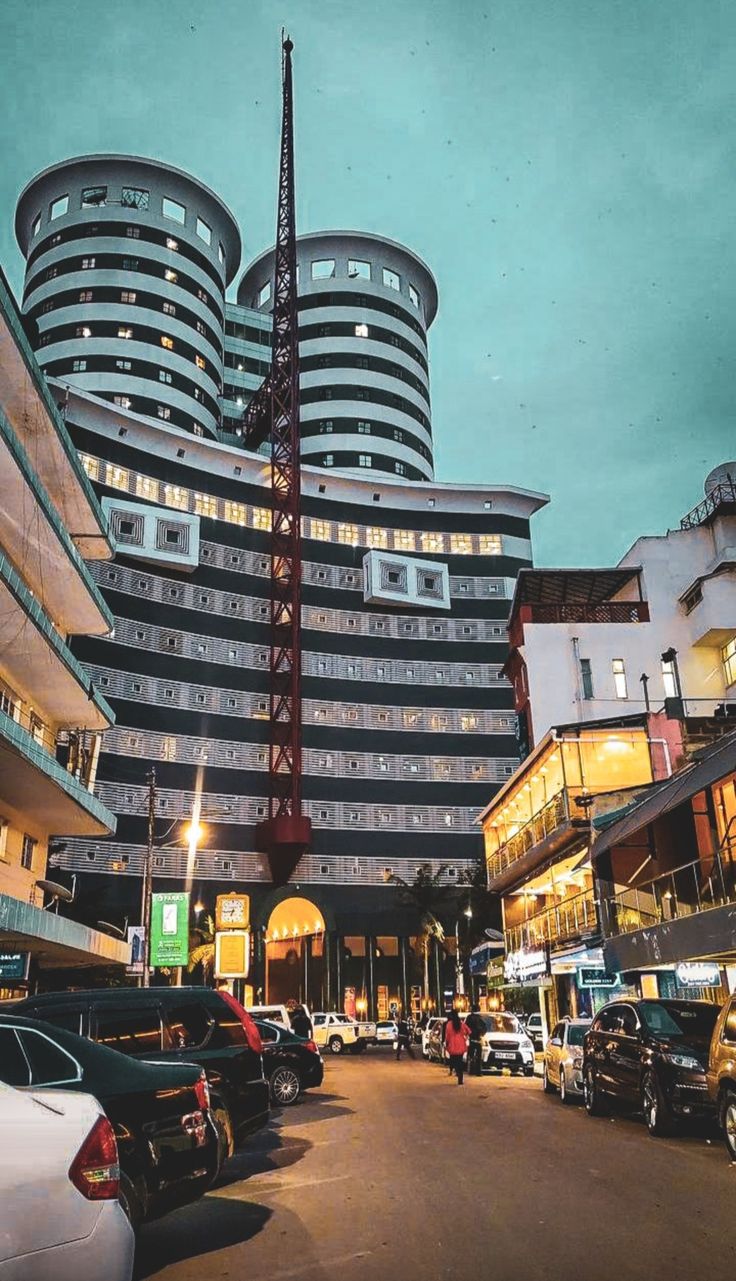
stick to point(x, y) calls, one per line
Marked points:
point(148, 881)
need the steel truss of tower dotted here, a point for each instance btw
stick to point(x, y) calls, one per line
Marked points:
point(274, 413)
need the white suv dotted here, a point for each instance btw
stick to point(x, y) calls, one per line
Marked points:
point(338, 1032)
point(505, 1044)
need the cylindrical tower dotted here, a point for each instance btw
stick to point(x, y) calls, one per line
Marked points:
point(365, 305)
point(127, 264)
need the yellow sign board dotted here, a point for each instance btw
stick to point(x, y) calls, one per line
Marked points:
point(232, 912)
point(232, 954)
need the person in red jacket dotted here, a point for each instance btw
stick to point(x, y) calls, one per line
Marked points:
point(457, 1035)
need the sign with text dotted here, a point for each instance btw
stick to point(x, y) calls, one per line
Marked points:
point(14, 967)
point(698, 974)
point(597, 978)
point(232, 954)
point(232, 912)
point(137, 941)
point(526, 967)
point(169, 929)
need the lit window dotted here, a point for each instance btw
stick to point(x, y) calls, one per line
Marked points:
point(85, 295)
point(117, 477)
point(414, 298)
point(619, 678)
point(167, 342)
point(235, 512)
point(87, 263)
point(204, 231)
point(205, 505)
point(90, 465)
point(128, 295)
point(164, 412)
point(361, 331)
point(328, 460)
point(172, 244)
point(669, 679)
point(261, 518)
point(125, 332)
point(264, 293)
point(432, 542)
point(146, 487)
point(347, 534)
point(365, 460)
point(325, 426)
point(172, 209)
point(321, 529)
point(176, 496)
point(391, 280)
point(122, 401)
point(461, 544)
point(58, 207)
point(469, 722)
point(376, 537)
point(134, 198)
point(400, 469)
point(200, 362)
point(323, 269)
point(405, 540)
point(489, 544)
point(79, 366)
point(171, 275)
point(164, 376)
point(168, 308)
point(728, 654)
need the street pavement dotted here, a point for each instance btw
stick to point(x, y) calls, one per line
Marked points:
point(392, 1171)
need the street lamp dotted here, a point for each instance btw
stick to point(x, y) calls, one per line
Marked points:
point(192, 834)
point(459, 975)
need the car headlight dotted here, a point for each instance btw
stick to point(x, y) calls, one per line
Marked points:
point(526, 1044)
point(685, 1061)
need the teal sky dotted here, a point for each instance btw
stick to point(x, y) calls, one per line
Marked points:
point(565, 167)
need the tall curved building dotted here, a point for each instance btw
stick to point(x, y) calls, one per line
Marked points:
point(365, 306)
point(408, 721)
point(127, 261)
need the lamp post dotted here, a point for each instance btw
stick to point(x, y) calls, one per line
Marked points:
point(192, 835)
point(459, 975)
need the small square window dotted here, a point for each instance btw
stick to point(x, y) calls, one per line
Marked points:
point(36, 227)
point(169, 308)
point(323, 269)
point(365, 460)
point(167, 342)
point(93, 197)
point(391, 279)
point(264, 293)
point(128, 296)
point(414, 298)
point(125, 332)
point(58, 207)
point(361, 331)
point(172, 209)
point(204, 231)
point(134, 198)
point(358, 269)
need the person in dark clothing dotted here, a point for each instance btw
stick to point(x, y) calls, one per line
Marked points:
point(301, 1022)
point(457, 1035)
point(475, 1049)
point(403, 1040)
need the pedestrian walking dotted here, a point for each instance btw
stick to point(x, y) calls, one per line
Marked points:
point(403, 1039)
point(457, 1036)
point(301, 1022)
point(475, 1050)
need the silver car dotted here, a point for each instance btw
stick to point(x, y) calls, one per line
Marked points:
point(563, 1059)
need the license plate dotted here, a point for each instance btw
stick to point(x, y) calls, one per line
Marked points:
point(501, 1054)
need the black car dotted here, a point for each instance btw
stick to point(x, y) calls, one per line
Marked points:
point(652, 1055)
point(167, 1141)
point(292, 1063)
point(176, 1024)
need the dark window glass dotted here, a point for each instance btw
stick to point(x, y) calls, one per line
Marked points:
point(69, 1020)
point(189, 1025)
point(576, 1034)
point(627, 1022)
point(268, 1032)
point(608, 1019)
point(586, 676)
point(229, 1030)
point(675, 1019)
point(49, 1064)
point(14, 1068)
point(130, 1031)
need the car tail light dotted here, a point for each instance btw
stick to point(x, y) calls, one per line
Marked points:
point(311, 1045)
point(252, 1035)
point(202, 1091)
point(95, 1171)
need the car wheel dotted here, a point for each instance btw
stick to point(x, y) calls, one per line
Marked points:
point(654, 1107)
point(335, 1045)
point(547, 1085)
point(564, 1092)
point(728, 1121)
point(285, 1087)
point(592, 1094)
point(529, 1070)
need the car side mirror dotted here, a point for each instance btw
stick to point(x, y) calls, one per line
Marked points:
point(555, 1040)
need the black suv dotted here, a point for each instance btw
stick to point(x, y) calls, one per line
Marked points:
point(653, 1055)
point(179, 1024)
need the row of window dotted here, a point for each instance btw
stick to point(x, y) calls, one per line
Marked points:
point(130, 198)
point(364, 427)
point(143, 369)
point(365, 302)
point(138, 333)
point(373, 536)
point(350, 360)
point(357, 269)
point(28, 848)
point(128, 298)
point(376, 333)
point(369, 395)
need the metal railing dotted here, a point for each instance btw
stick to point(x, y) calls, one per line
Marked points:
point(571, 918)
point(540, 825)
point(686, 890)
point(611, 611)
point(73, 749)
point(723, 495)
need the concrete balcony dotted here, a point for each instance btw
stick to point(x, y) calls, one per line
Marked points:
point(54, 941)
point(545, 834)
point(613, 611)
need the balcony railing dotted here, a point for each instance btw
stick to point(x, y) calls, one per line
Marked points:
point(610, 611)
point(721, 497)
point(75, 750)
point(540, 825)
point(570, 919)
point(686, 890)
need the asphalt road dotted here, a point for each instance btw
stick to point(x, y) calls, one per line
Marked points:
point(392, 1171)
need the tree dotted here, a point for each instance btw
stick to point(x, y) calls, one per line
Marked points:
point(426, 894)
point(202, 948)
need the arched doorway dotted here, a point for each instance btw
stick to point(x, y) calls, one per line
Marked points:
point(295, 939)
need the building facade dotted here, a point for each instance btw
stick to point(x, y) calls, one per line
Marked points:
point(51, 714)
point(408, 718)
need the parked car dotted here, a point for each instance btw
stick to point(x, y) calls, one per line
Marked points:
point(534, 1027)
point(505, 1044)
point(563, 1059)
point(425, 1033)
point(651, 1055)
point(436, 1052)
point(61, 1215)
point(387, 1031)
point(291, 1063)
point(721, 1075)
point(272, 1014)
point(178, 1025)
point(338, 1032)
point(167, 1142)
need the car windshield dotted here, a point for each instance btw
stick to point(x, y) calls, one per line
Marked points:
point(576, 1033)
point(679, 1020)
point(501, 1023)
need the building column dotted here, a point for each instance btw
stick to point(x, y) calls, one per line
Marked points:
point(339, 947)
point(370, 946)
point(405, 1003)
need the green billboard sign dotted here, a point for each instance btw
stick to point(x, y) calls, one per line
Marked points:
point(169, 929)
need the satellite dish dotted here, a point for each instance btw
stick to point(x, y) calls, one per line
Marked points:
point(58, 892)
point(116, 931)
point(724, 474)
point(495, 936)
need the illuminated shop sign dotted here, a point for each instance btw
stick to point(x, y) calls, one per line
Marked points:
point(14, 966)
point(698, 974)
point(526, 967)
point(597, 978)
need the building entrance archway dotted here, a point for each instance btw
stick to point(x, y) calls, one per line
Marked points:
point(295, 953)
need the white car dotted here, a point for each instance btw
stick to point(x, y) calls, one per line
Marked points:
point(61, 1219)
point(338, 1032)
point(431, 1023)
point(563, 1059)
point(387, 1031)
point(505, 1044)
point(271, 1013)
